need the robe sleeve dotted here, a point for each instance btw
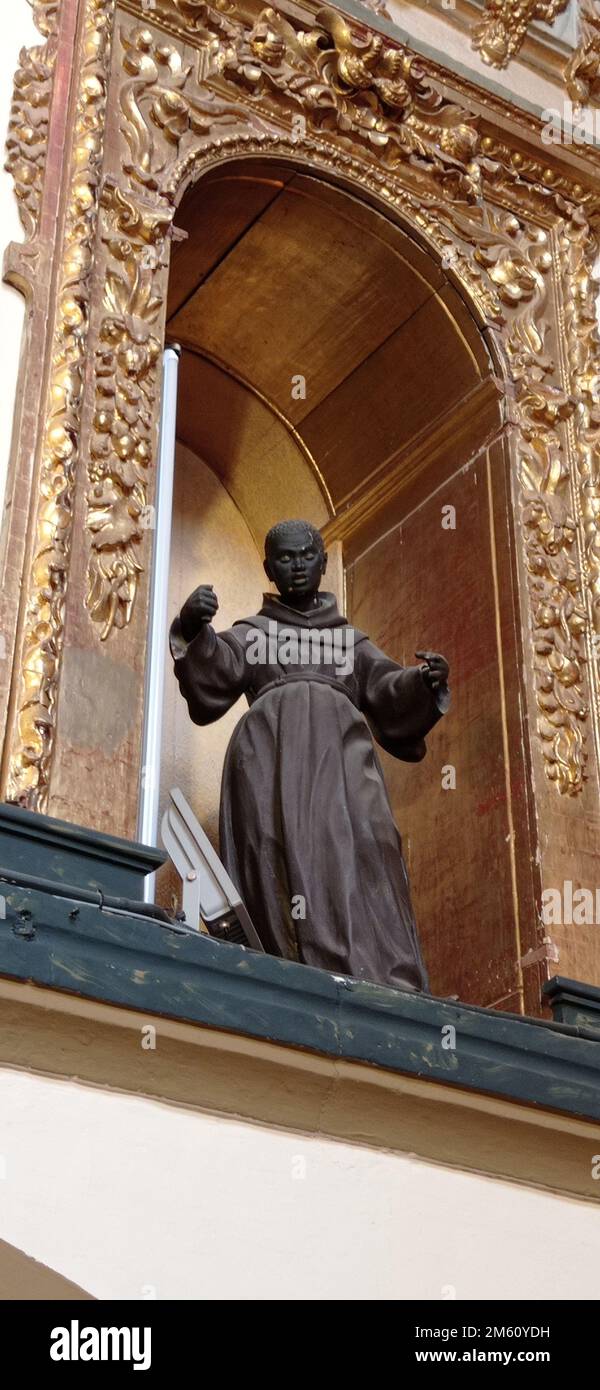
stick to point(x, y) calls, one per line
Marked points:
point(211, 669)
point(398, 704)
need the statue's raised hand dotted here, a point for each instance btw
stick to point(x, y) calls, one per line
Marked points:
point(199, 608)
point(435, 669)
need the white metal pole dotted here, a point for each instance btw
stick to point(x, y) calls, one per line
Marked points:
point(158, 632)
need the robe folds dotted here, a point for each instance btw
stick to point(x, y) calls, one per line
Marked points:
point(306, 827)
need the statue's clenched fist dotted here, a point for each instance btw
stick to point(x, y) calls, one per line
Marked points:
point(199, 608)
point(435, 669)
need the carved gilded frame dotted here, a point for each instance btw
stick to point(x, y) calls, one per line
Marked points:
point(154, 96)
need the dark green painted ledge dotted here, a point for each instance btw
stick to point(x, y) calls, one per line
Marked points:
point(141, 965)
point(67, 853)
point(134, 963)
point(573, 1002)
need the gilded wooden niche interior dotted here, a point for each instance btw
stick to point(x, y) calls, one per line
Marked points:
point(359, 220)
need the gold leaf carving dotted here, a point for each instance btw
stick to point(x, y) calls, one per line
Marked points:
point(43, 626)
point(352, 82)
point(501, 33)
point(198, 16)
point(557, 611)
point(582, 73)
point(122, 444)
point(45, 14)
point(157, 108)
point(580, 249)
point(28, 125)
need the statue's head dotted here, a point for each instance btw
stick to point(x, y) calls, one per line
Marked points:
point(295, 559)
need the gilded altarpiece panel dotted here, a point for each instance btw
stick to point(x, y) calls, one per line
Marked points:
point(102, 150)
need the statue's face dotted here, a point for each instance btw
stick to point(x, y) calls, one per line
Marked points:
point(295, 564)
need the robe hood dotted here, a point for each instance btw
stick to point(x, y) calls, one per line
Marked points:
point(326, 614)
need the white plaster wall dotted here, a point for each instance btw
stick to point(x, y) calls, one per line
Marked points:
point(133, 1199)
point(17, 30)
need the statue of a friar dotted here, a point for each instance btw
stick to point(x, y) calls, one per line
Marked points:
point(306, 828)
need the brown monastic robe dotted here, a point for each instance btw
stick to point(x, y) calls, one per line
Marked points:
point(306, 828)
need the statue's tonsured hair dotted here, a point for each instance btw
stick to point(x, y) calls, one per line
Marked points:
point(305, 526)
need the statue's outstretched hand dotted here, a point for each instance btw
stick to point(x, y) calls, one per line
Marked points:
point(199, 608)
point(435, 669)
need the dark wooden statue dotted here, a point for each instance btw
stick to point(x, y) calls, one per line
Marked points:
point(306, 830)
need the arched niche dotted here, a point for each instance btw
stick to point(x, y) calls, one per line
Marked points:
point(330, 369)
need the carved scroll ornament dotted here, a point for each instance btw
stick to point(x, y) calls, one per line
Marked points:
point(500, 35)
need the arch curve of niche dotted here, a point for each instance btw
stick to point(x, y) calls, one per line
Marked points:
point(157, 104)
